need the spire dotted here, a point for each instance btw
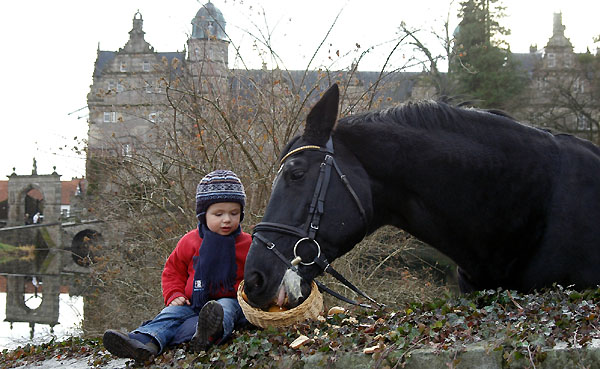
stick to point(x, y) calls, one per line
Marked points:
point(136, 43)
point(558, 38)
point(558, 27)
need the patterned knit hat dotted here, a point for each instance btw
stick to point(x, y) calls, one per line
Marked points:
point(219, 186)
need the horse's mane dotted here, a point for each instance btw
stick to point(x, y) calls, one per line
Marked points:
point(436, 115)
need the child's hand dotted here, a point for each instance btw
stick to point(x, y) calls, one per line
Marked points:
point(178, 301)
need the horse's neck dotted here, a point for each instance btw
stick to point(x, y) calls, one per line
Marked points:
point(449, 190)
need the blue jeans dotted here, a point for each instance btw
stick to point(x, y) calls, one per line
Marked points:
point(177, 324)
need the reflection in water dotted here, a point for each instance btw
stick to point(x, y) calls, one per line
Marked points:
point(35, 311)
point(69, 324)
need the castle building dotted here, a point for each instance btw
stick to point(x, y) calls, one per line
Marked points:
point(562, 93)
point(129, 98)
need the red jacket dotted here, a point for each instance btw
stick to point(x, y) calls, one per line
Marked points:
point(178, 274)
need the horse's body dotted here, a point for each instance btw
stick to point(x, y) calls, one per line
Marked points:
point(514, 206)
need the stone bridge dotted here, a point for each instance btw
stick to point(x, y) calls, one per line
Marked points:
point(53, 254)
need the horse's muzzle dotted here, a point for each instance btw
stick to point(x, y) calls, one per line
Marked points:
point(290, 290)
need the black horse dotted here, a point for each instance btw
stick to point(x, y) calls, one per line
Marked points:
point(514, 206)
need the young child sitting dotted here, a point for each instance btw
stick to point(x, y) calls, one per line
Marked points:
point(200, 278)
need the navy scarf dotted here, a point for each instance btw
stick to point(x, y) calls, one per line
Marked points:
point(215, 269)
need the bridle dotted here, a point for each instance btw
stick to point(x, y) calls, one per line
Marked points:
point(307, 235)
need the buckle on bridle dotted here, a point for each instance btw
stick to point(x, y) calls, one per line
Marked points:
point(296, 256)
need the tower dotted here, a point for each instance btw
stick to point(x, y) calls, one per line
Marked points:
point(559, 50)
point(207, 48)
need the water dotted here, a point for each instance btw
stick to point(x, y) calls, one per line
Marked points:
point(70, 318)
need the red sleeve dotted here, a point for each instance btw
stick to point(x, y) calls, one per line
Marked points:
point(175, 275)
point(242, 246)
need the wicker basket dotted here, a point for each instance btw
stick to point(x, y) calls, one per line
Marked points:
point(309, 309)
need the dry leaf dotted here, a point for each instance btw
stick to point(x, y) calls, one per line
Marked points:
point(373, 349)
point(299, 341)
point(336, 310)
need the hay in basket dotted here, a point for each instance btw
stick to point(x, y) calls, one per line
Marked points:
point(309, 309)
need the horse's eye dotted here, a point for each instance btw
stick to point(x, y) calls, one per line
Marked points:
point(296, 174)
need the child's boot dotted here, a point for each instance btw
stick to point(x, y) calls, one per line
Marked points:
point(122, 345)
point(209, 328)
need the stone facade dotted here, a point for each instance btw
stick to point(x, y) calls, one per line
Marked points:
point(128, 98)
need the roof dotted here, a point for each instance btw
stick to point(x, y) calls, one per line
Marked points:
point(69, 189)
point(398, 85)
point(209, 22)
point(106, 57)
point(3, 190)
point(527, 61)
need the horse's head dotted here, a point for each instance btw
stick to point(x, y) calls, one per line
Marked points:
point(319, 209)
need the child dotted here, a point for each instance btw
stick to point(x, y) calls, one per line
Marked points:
point(200, 278)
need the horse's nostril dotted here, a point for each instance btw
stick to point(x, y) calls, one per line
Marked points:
point(254, 282)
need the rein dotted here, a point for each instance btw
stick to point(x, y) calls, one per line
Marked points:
point(313, 223)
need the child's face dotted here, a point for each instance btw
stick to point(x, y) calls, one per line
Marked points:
point(223, 217)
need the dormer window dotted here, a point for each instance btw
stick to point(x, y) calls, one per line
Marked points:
point(123, 67)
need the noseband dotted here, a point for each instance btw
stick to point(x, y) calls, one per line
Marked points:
point(312, 224)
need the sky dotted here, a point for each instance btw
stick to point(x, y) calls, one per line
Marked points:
point(48, 50)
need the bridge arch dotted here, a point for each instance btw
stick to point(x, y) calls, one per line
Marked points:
point(84, 246)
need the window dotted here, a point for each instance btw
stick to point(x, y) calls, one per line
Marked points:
point(582, 123)
point(115, 86)
point(146, 66)
point(126, 150)
point(578, 86)
point(567, 61)
point(123, 67)
point(148, 87)
point(551, 60)
point(153, 117)
point(110, 116)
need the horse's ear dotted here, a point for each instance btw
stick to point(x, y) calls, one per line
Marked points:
point(322, 117)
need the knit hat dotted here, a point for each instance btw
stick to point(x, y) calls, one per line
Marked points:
point(219, 186)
